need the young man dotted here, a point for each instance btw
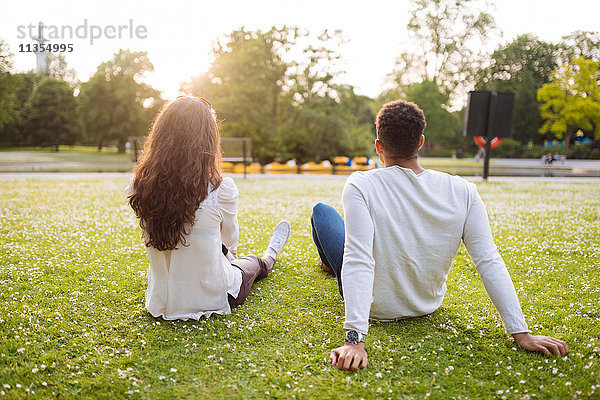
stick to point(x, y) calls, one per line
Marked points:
point(403, 228)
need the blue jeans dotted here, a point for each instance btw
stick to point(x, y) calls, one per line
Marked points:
point(328, 234)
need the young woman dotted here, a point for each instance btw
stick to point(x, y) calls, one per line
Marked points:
point(188, 216)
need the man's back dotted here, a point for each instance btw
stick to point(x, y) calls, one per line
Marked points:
point(418, 223)
point(405, 229)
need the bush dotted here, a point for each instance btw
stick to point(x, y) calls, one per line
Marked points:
point(539, 151)
point(580, 151)
point(509, 148)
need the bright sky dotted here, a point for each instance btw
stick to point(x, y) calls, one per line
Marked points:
point(180, 33)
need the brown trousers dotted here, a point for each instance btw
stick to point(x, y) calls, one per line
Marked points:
point(253, 269)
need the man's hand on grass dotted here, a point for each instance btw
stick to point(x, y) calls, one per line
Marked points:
point(544, 344)
point(349, 357)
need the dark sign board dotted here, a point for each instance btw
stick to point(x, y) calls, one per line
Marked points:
point(478, 112)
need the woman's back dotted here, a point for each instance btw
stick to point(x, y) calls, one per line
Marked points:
point(188, 215)
point(194, 280)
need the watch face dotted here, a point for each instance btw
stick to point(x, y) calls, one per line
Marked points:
point(352, 337)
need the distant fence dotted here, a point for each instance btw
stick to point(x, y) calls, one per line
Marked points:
point(235, 150)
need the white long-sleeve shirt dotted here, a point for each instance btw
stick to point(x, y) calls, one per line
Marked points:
point(194, 280)
point(403, 231)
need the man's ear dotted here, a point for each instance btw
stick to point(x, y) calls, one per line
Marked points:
point(378, 147)
point(421, 141)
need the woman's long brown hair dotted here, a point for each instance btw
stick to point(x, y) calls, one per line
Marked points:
point(181, 157)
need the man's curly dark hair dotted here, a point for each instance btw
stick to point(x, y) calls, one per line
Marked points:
point(400, 125)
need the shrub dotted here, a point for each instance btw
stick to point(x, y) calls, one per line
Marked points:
point(509, 148)
point(580, 151)
point(539, 151)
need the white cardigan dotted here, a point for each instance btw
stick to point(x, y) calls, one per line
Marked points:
point(193, 280)
point(403, 231)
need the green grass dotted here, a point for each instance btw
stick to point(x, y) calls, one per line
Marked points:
point(68, 159)
point(72, 323)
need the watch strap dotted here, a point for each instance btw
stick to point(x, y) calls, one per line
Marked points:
point(354, 337)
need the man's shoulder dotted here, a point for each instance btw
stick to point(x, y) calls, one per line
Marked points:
point(453, 180)
point(362, 179)
point(359, 177)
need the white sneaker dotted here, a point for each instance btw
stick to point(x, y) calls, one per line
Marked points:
point(281, 234)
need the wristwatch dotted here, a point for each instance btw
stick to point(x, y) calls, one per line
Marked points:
point(355, 337)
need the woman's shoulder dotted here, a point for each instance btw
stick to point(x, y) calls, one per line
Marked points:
point(227, 189)
point(129, 188)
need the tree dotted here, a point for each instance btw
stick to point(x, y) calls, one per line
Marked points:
point(323, 126)
point(441, 125)
point(580, 44)
point(245, 85)
point(571, 100)
point(5, 58)
point(443, 35)
point(56, 67)
point(26, 82)
point(325, 119)
point(521, 66)
point(277, 88)
point(52, 119)
point(114, 104)
point(15, 92)
point(8, 104)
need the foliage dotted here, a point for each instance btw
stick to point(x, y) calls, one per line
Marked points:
point(572, 100)
point(9, 109)
point(6, 56)
point(579, 44)
point(56, 67)
point(327, 119)
point(510, 148)
point(15, 94)
point(583, 151)
point(522, 66)
point(288, 108)
point(578, 151)
point(51, 114)
point(23, 84)
point(114, 104)
point(442, 37)
point(8, 106)
point(244, 84)
point(73, 270)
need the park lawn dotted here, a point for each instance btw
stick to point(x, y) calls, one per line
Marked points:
point(68, 159)
point(448, 162)
point(72, 324)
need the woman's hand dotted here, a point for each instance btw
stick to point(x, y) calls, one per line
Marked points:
point(544, 344)
point(349, 357)
point(230, 256)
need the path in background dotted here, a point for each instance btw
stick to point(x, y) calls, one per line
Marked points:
point(92, 175)
point(75, 161)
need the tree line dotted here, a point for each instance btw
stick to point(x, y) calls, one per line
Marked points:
point(281, 88)
point(52, 108)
